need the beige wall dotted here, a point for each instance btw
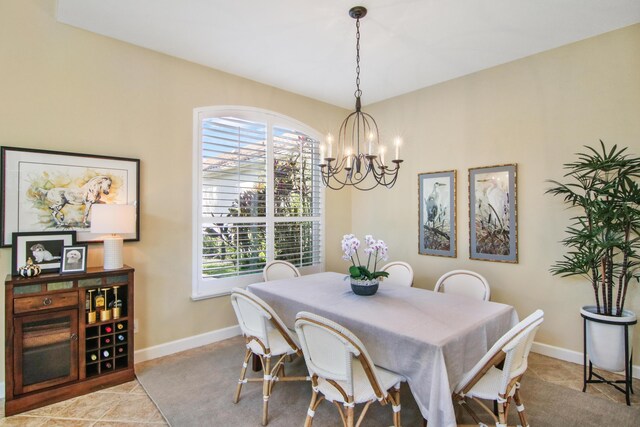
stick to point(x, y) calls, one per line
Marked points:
point(65, 89)
point(535, 112)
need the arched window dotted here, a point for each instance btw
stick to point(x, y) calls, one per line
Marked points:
point(258, 196)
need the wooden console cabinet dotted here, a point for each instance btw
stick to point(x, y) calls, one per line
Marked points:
point(52, 350)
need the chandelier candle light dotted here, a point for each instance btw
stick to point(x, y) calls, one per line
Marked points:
point(359, 153)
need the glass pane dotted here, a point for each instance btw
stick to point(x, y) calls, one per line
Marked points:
point(234, 167)
point(46, 350)
point(298, 242)
point(296, 186)
point(233, 249)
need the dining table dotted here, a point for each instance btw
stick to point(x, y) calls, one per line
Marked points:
point(430, 338)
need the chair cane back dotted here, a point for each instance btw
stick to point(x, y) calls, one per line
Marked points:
point(400, 273)
point(276, 270)
point(486, 381)
point(342, 372)
point(464, 282)
point(267, 337)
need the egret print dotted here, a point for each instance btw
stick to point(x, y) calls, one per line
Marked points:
point(437, 213)
point(492, 210)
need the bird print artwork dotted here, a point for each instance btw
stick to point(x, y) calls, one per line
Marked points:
point(492, 213)
point(436, 228)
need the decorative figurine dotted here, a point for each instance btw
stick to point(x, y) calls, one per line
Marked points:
point(29, 270)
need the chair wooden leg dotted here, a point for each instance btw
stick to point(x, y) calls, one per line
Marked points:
point(343, 418)
point(503, 411)
point(364, 412)
point(243, 373)
point(398, 420)
point(266, 389)
point(520, 407)
point(312, 408)
point(350, 416)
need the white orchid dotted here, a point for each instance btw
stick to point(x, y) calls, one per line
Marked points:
point(375, 249)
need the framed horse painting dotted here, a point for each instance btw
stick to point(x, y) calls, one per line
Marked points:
point(54, 191)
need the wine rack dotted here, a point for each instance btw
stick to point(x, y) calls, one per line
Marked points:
point(107, 347)
point(67, 335)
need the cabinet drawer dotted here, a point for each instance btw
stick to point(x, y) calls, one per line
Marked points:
point(45, 302)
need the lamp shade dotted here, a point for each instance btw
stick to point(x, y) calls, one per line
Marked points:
point(113, 219)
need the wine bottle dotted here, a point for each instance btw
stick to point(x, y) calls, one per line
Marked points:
point(98, 302)
point(120, 349)
point(120, 326)
point(121, 337)
point(108, 365)
point(93, 357)
point(108, 329)
point(106, 341)
point(106, 353)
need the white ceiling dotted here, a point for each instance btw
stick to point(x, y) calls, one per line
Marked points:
point(308, 47)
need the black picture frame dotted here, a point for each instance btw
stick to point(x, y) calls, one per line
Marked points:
point(44, 249)
point(37, 186)
point(74, 259)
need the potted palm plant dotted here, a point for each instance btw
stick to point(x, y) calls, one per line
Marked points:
point(604, 247)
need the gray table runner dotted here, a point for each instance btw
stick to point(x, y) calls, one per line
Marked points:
point(430, 338)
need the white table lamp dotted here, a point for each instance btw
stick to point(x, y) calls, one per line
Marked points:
point(111, 220)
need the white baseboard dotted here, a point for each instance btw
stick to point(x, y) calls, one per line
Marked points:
point(183, 344)
point(569, 355)
point(176, 346)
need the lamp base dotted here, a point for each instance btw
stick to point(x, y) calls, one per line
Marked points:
point(112, 252)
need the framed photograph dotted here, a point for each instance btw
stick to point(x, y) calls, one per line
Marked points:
point(54, 191)
point(492, 214)
point(74, 259)
point(437, 218)
point(44, 249)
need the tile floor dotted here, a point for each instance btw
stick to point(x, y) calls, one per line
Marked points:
point(128, 404)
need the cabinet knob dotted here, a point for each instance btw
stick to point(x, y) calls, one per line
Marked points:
point(74, 337)
point(47, 301)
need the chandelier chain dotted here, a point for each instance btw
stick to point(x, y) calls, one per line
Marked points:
point(358, 92)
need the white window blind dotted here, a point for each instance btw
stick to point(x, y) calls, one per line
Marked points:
point(258, 194)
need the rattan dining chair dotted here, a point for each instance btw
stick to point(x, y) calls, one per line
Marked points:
point(267, 337)
point(400, 273)
point(342, 371)
point(464, 282)
point(276, 270)
point(486, 381)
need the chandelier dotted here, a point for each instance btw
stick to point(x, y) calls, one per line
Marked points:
point(359, 158)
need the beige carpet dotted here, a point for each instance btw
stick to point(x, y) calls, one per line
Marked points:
point(196, 388)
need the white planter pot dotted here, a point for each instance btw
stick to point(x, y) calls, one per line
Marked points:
point(606, 340)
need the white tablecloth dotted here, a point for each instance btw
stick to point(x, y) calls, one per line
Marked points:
point(430, 338)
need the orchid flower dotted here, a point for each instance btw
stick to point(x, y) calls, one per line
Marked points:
point(376, 249)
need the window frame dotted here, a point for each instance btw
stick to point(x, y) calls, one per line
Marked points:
point(202, 288)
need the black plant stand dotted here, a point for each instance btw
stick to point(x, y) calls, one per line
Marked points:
point(628, 388)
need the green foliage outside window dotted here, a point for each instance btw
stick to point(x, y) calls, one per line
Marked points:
point(231, 249)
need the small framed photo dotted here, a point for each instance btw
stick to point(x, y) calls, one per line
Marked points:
point(437, 218)
point(44, 249)
point(492, 214)
point(74, 259)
